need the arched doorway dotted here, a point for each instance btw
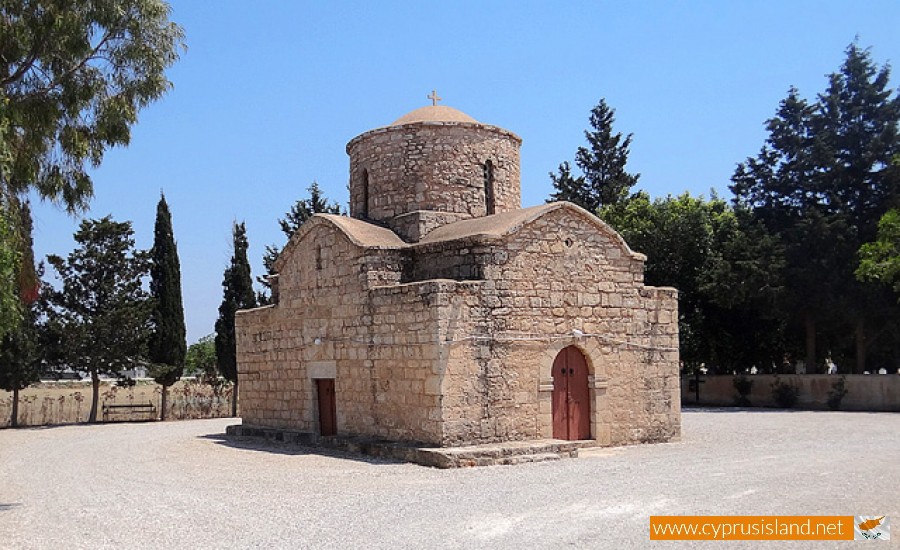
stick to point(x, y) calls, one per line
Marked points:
point(571, 396)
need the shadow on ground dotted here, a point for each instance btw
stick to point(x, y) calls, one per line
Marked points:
point(687, 408)
point(268, 446)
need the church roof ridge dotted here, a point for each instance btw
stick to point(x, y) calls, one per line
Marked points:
point(363, 233)
point(504, 223)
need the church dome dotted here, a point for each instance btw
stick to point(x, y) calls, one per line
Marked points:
point(434, 113)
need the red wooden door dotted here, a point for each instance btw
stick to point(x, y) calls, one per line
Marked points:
point(571, 396)
point(327, 406)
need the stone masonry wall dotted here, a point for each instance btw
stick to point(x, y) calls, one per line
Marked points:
point(538, 289)
point(348, 320)
point(315, 331)
point(432, 166)
point(408, 359)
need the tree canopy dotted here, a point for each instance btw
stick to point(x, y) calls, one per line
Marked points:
point(819, 185)
point(604, 181)
point(238, 294)
point(101, 314)
point(705, 250)
point(794, 260)
point(300, 212)
point(168, 344)
point(20, 359)
point(73, 78)
point(880, 259)
point(201, 357)
point(10, 258)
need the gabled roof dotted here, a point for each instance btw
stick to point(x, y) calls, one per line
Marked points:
point(363, 233)
point(505, 223)
point(360, 233)
point(495, 225)
point(368, 235)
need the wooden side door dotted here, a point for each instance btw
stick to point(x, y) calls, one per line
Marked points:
point(327, 406)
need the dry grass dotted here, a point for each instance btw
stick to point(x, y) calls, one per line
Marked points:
point(52, 403)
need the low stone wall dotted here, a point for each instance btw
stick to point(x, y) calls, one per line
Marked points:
point(69, 402)
point(872, 392)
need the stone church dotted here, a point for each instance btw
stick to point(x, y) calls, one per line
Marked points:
point(440, 312)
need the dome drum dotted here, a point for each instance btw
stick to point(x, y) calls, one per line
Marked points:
point(458, 168)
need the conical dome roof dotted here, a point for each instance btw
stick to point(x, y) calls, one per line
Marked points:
point(434, 113)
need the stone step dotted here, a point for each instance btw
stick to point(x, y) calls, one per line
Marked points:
point(493, 454)
point(523, 459)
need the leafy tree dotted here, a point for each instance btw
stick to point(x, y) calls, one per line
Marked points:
point(819, 184)
point(10, 310)
point(19, 359)
point(721, 268)
point(238, 294)
point(10, 306)
point(201, 362)
point(168, 346)
point(73, 77)
point(201, 357)
point(741, 284)
point(880, 259)
point(101, 315)
point(604, 181)
point(301, 211)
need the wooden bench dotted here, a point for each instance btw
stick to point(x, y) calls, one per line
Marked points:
point(115, 411)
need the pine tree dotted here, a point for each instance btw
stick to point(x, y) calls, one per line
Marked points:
point(238, 294)
point(101, 315)
point(304, 209)
point(605, 181)
point(820, 184)
point(168, 344)
point(300, 212)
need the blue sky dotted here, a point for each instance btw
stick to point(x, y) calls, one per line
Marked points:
point(269, 93)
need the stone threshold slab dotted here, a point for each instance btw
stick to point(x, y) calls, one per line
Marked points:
point(491, 454)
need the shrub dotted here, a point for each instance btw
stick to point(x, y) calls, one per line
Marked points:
point(785, 394)
point(837, 393)
point(742, 385)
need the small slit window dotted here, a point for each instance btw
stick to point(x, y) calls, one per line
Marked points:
point(364, 210)
point(318, 257)
point(488, 187)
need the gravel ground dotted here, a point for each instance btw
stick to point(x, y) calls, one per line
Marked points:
point(181, 485)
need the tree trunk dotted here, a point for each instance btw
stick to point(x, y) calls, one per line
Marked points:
point(14, 422)
point(810, 344)
point(162, 407)
point(860, 347)
point(95, 397)
point(234, 398)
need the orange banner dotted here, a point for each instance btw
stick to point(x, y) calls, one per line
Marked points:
point(751, 527)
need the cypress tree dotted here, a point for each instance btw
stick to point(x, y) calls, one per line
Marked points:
point(238, 293)
point(20, 359)
point(168, 344)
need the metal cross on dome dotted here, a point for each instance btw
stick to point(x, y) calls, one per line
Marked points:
point(434, 97)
